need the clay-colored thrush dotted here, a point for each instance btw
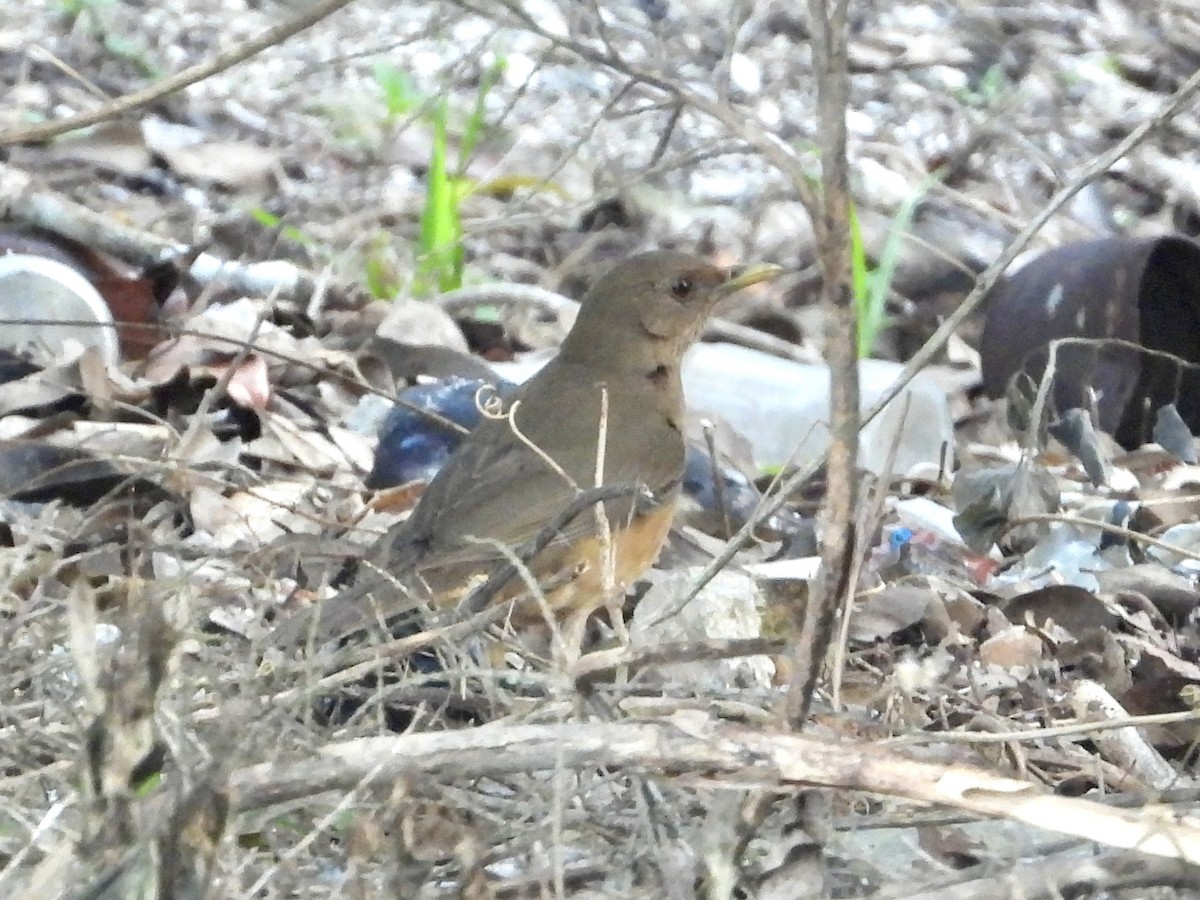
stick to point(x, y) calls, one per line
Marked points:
point(607, 411)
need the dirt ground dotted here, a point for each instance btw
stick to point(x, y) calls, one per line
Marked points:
point(152, 747)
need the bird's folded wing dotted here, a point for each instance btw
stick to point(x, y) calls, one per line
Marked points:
point(498, 490)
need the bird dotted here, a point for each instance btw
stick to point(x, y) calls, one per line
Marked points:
point(606, 412)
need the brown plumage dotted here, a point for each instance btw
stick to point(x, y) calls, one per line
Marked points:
point(616, 374)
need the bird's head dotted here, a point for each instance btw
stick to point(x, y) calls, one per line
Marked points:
point(657, 301)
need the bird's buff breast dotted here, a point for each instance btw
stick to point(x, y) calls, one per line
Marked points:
point(573, 577)
point(630, 551)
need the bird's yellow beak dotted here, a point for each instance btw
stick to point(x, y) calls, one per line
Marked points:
point(744, 276)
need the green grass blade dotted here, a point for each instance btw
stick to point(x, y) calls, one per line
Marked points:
point(871, 294)
point(859, 283)
point(441, 230)
point(478, 117)
point(400, 94)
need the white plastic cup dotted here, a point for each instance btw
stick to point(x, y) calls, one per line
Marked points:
point(40, 296)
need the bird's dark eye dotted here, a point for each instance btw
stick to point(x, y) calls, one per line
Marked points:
point(681, 288)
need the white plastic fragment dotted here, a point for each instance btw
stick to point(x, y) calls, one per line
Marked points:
point(782, 406)
point(1185, 536)
point(923, 514)
point(254, 278)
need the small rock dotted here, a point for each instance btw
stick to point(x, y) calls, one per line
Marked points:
point(745, 75)
point(727, 608)
point(1012, 647)
point(421, 324)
